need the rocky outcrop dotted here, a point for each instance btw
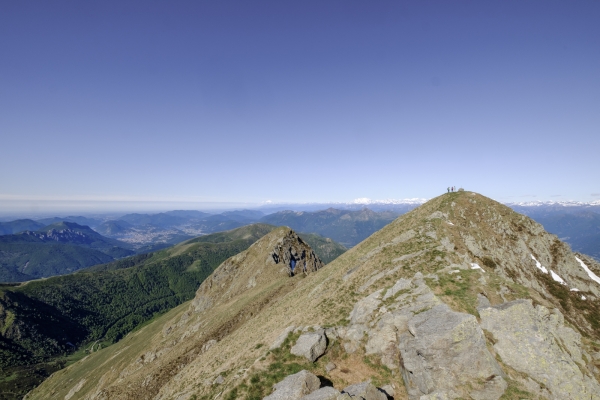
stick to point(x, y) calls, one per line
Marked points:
point(364, 390)
point(310, 345)
point(292, 252)
point(280, 253)
point(443, 351)
point(295, 386)
point(440, 352)
point(305, 386)
point(325, 393)
point(535, 341)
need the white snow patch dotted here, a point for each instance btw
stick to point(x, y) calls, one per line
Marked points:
point(454, 271)
point(592, 275)
point(583, 297)
point(574, 290)
point(557, 278)
point(476, 266)
point(449, 223)
point(539, 265)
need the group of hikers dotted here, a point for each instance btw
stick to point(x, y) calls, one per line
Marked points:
point(451, 189)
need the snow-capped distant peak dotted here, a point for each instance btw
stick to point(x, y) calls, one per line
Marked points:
point(367, 201)
point(566, 203)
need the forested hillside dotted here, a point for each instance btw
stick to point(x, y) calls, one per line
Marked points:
point(42, 321)
point(59, 248)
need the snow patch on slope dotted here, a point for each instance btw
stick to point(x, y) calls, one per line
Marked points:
point(557, 278)
point(476, 266)
point(539, 265)
point(592, 275)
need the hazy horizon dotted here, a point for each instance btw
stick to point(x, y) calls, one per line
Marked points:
point(37, 210)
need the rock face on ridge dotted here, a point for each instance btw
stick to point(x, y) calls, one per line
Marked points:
point(284, 252)
point(460, 298)
point(294, 253)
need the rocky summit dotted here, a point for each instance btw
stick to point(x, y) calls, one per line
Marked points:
point(459, 298)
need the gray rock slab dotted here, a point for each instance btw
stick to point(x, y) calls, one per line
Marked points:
point(295, 386)
point(366, 390)
point(401, 284)
point(535, 341)
point(364, 308)
point(310, 345)
point(325, 393)
point(482, 302)
point(388, 389)
point(444, 352)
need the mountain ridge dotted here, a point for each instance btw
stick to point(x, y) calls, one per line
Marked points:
point(460, 257)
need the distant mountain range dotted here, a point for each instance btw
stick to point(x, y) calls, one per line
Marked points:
point(344, 226)
point(56, 249)
point(150, 232)
point(37, 254)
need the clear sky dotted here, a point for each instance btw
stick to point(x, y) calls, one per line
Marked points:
point(305, 101)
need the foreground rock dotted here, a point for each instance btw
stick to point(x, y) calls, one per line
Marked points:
point(325, 393)
point(364, 390)
point(445, 349)
point(295, 386)
point(544, 348)
point(311, 345)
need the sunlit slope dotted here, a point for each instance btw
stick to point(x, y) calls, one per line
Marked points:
point(462, 250)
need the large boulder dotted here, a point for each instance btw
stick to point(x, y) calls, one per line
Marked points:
point(295, 386)
point(535, 341)
point(310, 345)
point(443, 353)
point(325, 393)
point(364, 390)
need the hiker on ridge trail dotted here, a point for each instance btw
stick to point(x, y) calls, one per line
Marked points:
point(448, 189)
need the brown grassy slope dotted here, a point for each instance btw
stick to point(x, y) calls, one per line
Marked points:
point(174, 357)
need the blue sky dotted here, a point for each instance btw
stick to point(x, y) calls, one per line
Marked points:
point(313, 101)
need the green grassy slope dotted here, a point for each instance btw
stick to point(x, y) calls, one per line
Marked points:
point(40, 321)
